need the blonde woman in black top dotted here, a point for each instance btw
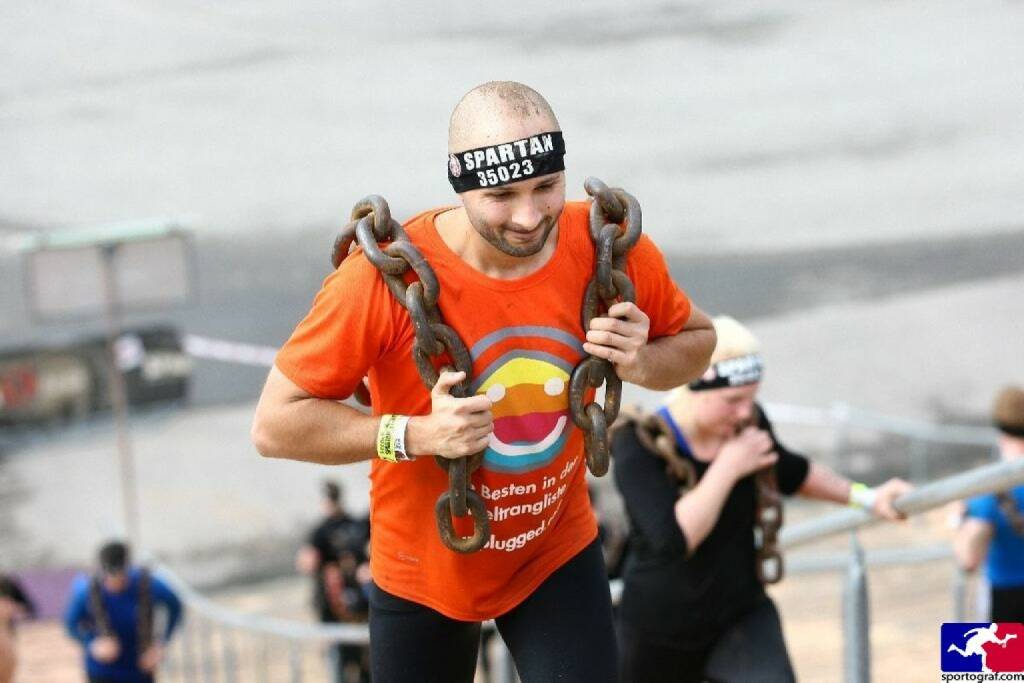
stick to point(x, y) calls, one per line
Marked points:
point(693, 607)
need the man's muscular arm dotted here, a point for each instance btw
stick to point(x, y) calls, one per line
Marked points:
point(293, 424)
point(659, 364)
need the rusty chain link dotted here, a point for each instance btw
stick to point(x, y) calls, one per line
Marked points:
point(767, 521)
point(767, 517)
point(143, 610)
point(656, 436)
point(615, 225)
point(372, 224)
point(1008, 506)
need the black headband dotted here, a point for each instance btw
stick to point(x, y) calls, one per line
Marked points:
point(732, 372)
point(507, 162)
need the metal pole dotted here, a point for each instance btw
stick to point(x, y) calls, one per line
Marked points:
point(294, 662)
point(188, 659)
point(506, 666)
point(856, 618)
point(170, 668)
point(994, 477)
point(119, 399)
point(959, 594)
point(263, 659)
point(206, 666)
point(227, 642)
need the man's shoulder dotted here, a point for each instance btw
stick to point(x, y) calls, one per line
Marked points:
point(576, 216)
point(80, 584)
point(423, 219)
point(983, 506)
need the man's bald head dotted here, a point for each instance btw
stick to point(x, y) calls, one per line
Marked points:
point(498, 111)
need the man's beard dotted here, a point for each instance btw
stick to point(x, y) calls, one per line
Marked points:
point(496, 240)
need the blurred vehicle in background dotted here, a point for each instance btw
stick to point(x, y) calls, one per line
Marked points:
point(58, 385)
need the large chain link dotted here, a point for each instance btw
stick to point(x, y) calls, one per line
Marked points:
point(656, 436)
point(615, 226)
point(767, 522)
point(767, 518)
point(143, 610)
point(372, 225)
point(1008, 506)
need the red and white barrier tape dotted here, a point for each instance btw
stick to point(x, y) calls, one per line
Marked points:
point(229, 351)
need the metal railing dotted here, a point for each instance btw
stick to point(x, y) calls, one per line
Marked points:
point(221, 644)
point(217, 643)
point(856, 616)
point(844, 420)
point(843, 416)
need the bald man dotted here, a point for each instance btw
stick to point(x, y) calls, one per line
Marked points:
point(513, 262)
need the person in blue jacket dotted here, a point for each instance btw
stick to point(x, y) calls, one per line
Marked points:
point(111, 615)
point(993, 528)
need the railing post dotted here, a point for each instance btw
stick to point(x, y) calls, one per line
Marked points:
point(170, 667)
point(856, 618)
point(294, 662)
point(959, 594)
point(263, 659)
point(227, 641)
point(188, 655)
point(506, 667)
point(206, 656)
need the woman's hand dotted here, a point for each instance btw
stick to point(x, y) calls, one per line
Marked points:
point(746, 453)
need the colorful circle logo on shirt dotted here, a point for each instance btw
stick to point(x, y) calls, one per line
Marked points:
point(529, 391)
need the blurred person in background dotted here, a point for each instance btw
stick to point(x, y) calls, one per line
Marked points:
point(336, 555)
point(694, 606)
point(14, 606)
point(111, 613)
point(992, 530)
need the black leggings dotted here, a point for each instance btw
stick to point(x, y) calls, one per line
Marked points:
point(1008, 604)
point(562, 632)
point(752, 649)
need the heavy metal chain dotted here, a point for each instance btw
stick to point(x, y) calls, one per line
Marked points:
point(615, 226)
point(767, 518)
point(767, 521)
point(372, 224)
point(1008, 506)
point(144, 610)
point(657, 437)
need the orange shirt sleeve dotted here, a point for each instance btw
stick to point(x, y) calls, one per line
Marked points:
point(657, 294)
point(351, 324)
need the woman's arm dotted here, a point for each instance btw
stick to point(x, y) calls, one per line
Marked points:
point(698, 511)
point(823, 483)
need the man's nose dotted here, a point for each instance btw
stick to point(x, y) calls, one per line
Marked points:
point(527, 214)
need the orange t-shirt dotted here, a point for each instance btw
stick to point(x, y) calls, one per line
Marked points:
point(524, 336)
